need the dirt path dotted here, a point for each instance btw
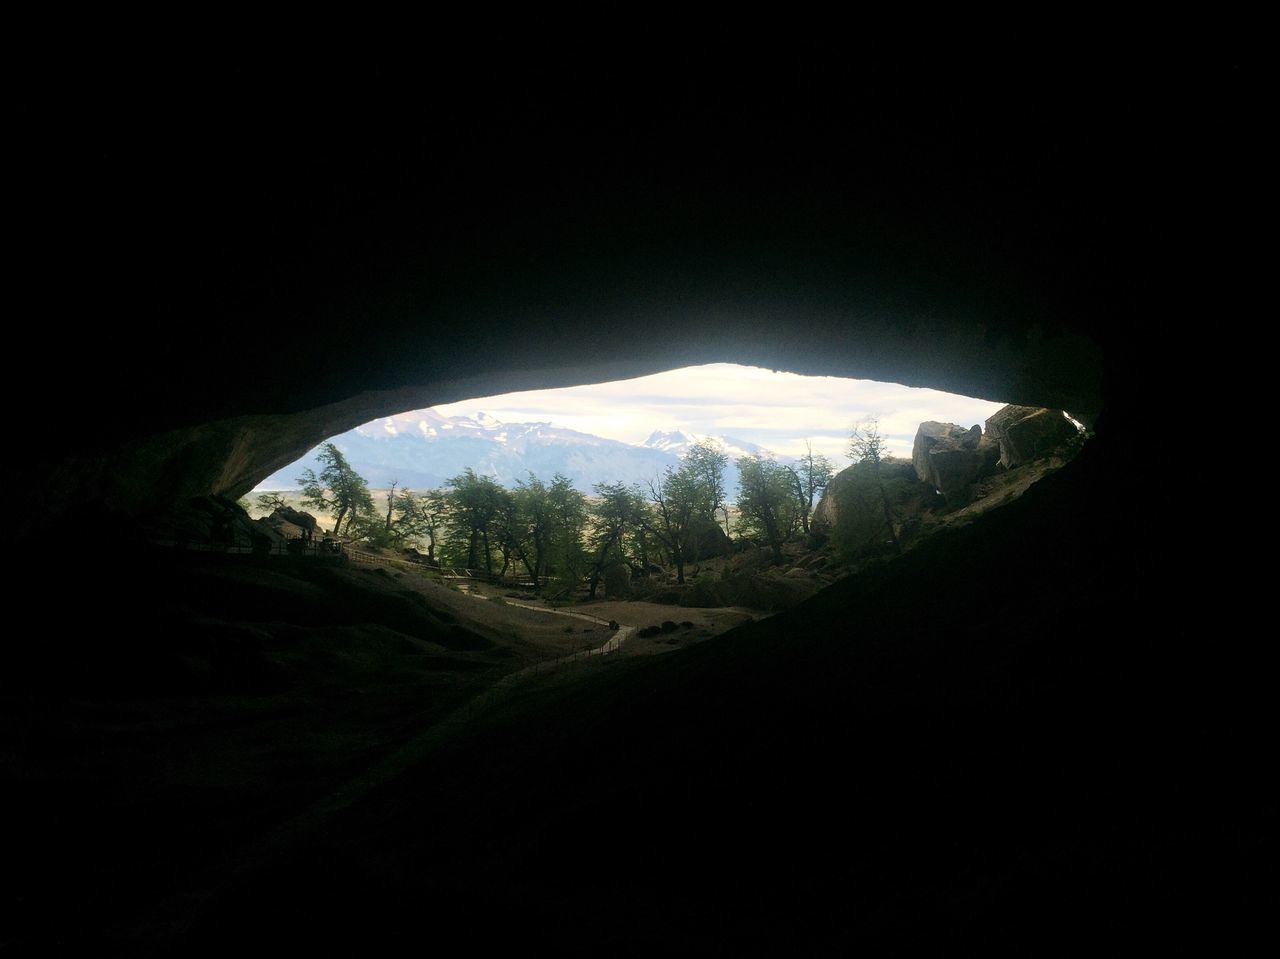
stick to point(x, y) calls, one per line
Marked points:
point(693, 624)
point(612, 645)
point(620, 635)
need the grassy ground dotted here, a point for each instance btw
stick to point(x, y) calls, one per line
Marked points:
point(497, 611)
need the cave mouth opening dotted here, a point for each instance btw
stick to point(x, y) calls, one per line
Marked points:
point(748, 409)
point(783, 454)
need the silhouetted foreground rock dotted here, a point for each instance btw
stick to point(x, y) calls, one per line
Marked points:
point(212, 521)
point(293, 523)
point(891, 766)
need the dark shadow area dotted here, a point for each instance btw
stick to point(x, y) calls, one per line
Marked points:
point(1038, 733)
point(983, 744)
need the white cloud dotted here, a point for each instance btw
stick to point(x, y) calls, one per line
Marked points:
point(777, 410)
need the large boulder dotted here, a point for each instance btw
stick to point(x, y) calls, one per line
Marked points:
point(951, 458)
point(215, 521)
point(823, 520)
point(292, 523)
point(297, 517)
point(1026, 433)
point(852, 498)
point(707, 542)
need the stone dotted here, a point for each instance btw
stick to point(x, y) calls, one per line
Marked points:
point(707, 542)
point(1026, 433)
point(303, 521)
point(951, 458)
point(893, 471)
point(851, 514)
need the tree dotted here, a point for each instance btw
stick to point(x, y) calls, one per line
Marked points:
point(766, 503)
point(474, 503)
point(543, 526)
point(433, 507)
point(642, 545)
point(866, 446)
point(570, 508)
point(680, 503)
point(810, 476)
point(618, 512)
point(406, 521)
point(707, 460)
point(508, 532)
point(391, 505)
point(268, 503)
point(367, 528)
point(529, 525)
point(421, 518)
point(338, 490)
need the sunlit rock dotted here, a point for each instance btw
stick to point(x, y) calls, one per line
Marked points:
point(951, 458)
point(1026, 433)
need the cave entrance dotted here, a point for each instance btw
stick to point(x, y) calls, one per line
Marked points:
point(719, 460)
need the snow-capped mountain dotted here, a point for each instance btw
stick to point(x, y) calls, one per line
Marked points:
point(678, 442)
point(423, 449)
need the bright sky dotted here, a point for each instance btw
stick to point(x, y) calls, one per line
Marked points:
point(777, 410)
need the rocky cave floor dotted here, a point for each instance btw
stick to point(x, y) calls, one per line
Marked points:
point(942, 749)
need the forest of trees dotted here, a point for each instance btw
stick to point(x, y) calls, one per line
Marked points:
point(550, 531)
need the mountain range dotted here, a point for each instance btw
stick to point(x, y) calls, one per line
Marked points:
point(423, 449)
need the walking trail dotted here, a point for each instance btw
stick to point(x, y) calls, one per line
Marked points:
point(620, 635)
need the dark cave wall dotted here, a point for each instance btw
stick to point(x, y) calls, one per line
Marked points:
point(229, 456)
point(222, 265)
point(230, 265)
